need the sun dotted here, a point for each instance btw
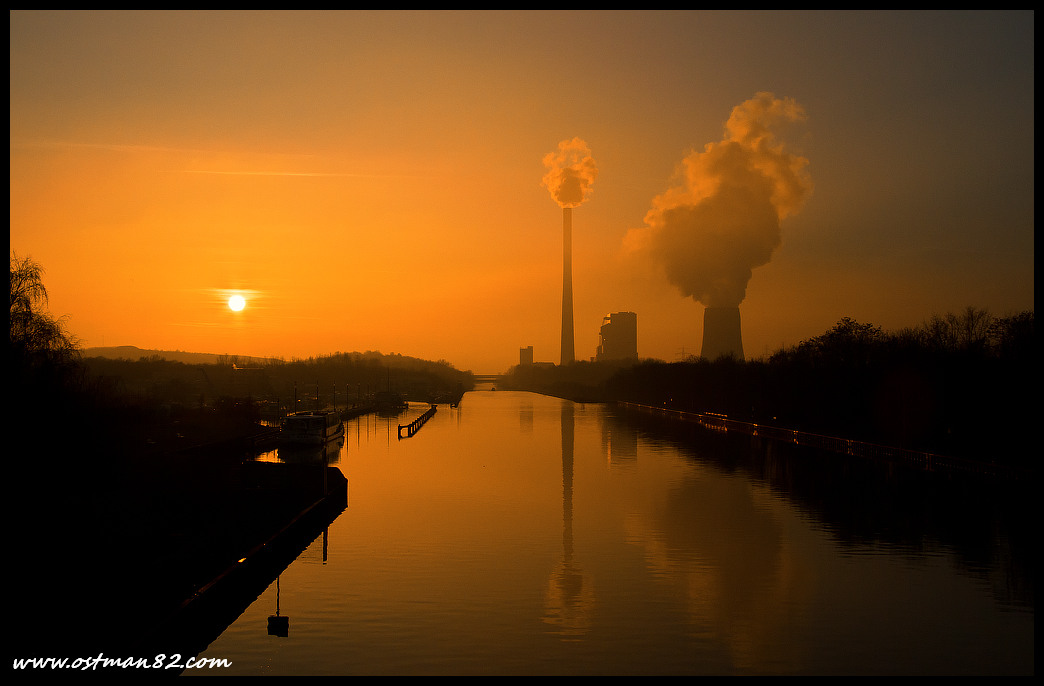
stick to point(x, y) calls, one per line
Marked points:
point(236, 303)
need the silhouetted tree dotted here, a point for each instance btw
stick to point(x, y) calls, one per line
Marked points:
point(1012, 338)
point(967, 331)
point(43, 366)
point(846, 338)
point(35, 335)
point(955, 385)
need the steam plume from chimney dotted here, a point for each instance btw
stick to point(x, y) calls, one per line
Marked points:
point(722, 218)
point(570, 172)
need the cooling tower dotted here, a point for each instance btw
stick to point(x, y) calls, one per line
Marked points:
point(567, 286)
point(721, 333)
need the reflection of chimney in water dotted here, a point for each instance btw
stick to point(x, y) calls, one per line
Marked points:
point(568, 353)
point(568, 425)
point(721, 333)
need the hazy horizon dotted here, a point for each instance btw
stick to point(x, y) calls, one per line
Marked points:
point(394, 181)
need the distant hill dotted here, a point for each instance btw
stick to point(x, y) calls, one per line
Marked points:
point(130, 352)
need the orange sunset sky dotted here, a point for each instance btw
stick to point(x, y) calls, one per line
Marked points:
point(374, 180)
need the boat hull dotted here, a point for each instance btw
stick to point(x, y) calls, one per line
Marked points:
point(312, 428)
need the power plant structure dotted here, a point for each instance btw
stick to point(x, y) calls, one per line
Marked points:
point(568, 351)
point(618, 337)
point(721, 333)
point(525, 355)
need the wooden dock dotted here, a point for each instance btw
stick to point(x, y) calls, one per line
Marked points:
point(414, 426)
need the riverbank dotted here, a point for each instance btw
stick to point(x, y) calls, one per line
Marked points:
point(834, 445)
point(109, 554)
point(964, 405)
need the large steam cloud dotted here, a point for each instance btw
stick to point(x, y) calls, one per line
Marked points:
point(723, 218)
point(571, 171)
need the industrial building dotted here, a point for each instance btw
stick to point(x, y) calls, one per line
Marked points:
point(618, 337)
point(525, 355)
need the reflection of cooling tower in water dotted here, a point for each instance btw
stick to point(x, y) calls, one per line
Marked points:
point(721, 333)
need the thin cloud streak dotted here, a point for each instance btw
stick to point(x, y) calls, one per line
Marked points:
point(139, 148)
point(282, 173)
point(116, 147)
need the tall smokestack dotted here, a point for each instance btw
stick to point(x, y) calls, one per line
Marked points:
point(721, 333)
point(571, 171)
point(568, 352)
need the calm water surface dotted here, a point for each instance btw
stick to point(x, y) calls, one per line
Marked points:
point(523, 534)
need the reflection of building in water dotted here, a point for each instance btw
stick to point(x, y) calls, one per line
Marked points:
point(525, 416)
point(569, 596)
point(619, 441)
point(618, 337)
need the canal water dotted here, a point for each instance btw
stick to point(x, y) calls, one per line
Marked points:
point(524, 534)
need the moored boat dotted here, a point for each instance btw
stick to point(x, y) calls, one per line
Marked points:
point(388, 401)
point(312, 428)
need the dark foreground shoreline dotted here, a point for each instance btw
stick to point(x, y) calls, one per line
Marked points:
point(137, 558)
